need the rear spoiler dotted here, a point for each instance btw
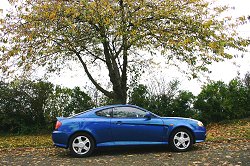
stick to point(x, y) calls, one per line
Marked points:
point(60, 118)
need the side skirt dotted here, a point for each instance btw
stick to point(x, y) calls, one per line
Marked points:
point(129, 143)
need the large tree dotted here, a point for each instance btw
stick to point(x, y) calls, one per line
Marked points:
point(116, 33)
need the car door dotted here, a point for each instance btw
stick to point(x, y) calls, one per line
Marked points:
point(128, 124)
point(99, 126)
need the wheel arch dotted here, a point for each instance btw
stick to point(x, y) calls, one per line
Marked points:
point(81, 132)
point(183, 127)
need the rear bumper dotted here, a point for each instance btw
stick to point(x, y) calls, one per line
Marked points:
point(60, 139)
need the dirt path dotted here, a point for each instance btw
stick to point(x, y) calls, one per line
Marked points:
point(210, 153)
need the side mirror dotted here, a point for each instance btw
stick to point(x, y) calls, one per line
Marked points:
point(148, 116)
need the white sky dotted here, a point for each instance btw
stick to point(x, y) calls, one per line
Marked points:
point(224, 71)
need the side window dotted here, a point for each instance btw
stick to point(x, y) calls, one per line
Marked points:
point(128, 112)
point(104, 113)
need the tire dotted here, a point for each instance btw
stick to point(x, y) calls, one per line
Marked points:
point(81, 145)
point(181, 140)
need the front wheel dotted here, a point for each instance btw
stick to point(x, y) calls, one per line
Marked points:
point(181, 140)
point(81, 145)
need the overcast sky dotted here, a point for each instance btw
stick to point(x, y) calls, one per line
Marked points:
point(224, 71)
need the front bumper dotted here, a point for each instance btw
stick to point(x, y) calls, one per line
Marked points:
point(200, 134)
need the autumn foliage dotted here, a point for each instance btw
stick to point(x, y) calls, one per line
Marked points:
point(118, 35)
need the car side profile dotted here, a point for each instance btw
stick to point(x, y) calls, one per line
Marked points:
point(124, 125)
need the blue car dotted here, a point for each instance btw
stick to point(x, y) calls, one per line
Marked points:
point(119, 125)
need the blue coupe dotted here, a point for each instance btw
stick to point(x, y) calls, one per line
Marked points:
point(118, 125)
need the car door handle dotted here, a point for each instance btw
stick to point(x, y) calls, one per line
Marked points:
point(119, 122)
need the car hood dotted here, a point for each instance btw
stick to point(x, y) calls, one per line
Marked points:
point(179, 119)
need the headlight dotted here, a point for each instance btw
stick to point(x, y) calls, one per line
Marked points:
point(200, 124)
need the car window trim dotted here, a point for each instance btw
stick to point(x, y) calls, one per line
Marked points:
point(130, 117)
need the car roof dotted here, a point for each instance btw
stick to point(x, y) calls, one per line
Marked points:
point(93, 110)
point(114, 105)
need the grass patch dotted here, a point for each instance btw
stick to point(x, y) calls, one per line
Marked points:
point(235, 129)
point(18, 141)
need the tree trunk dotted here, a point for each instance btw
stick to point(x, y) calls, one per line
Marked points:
point(117, 71)
point(119, 98)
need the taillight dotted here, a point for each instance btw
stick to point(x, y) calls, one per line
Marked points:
point(58, 124)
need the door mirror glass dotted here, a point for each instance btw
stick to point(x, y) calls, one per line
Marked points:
point(148, 116)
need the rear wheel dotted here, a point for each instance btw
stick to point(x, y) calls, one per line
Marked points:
point(181, 140)
point(81, 145)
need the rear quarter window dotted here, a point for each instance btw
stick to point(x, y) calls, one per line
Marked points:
point(104, 113)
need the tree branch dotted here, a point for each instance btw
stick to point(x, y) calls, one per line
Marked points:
point(96, 57)
point(105, 92)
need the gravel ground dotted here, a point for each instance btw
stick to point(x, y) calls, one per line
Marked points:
point(230, 153)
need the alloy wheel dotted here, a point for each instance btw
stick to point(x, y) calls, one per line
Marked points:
point(81, 145)
point(181, 140)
